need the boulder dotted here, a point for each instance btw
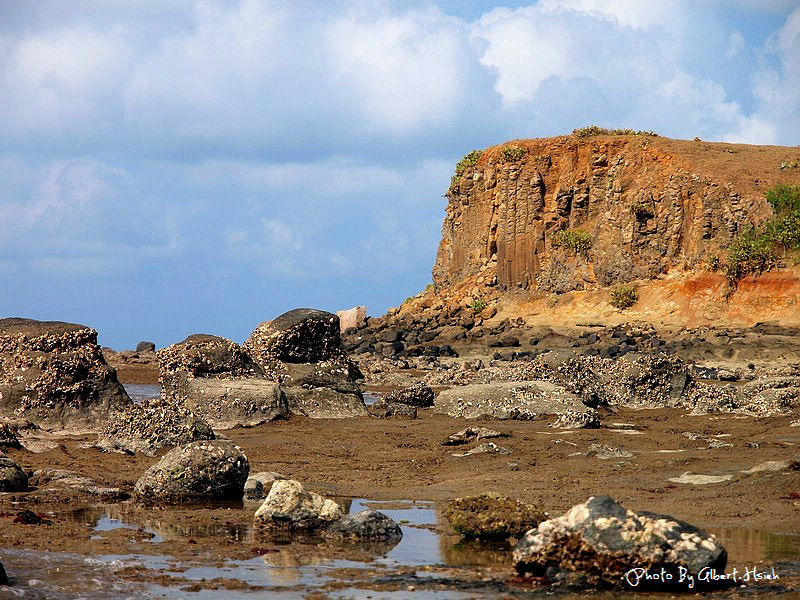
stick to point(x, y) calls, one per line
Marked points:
point(365, 525)
point(145, 347)
point(392, 410)
point(12, 477)
point(605, 541)
point(508, 400)
point(151, 425)
point(3, 577)
point(289, 506)
point(258, 485)
point(55, 375)
point(352, 318)
point(491, 517)
point(418, 394)
point(302, 335)
point(215, 379)
point(207, 470)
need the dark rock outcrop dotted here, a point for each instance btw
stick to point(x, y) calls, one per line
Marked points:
point(208, 470)
point(12, 477)
point(55, 375)
point(418, 394)
point(604, 542)
point(302, 335)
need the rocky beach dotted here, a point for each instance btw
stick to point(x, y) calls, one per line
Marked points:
point(560, 437)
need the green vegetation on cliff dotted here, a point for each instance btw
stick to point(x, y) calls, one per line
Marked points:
point(758, 250)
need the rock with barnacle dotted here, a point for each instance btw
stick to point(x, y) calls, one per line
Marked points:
point(600, 542)
point(206, 470)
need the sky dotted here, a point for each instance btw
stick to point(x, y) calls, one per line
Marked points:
point(169, 168)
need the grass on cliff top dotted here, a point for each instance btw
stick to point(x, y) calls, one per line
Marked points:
point(591, 130)
point(470, 159)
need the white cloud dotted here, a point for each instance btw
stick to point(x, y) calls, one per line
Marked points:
point(776, 87)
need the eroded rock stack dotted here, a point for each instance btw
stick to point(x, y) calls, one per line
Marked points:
point(55, 375)
point(216, 379)
point(302, 350)
point(295, 363)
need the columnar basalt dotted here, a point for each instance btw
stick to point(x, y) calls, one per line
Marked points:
point(648, 204)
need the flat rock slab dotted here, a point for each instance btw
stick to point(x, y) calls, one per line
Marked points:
point(770, 465)
point(486, 447)
point(471, 434)
point(696, 479)
point(524, 400)
point(325, 403)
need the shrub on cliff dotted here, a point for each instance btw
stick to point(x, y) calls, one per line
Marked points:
point(748, 254)
point(470, 159)
point(784, 228)
point(511, 153)
point(591, 130)
point(575, 240)
point(624, 296)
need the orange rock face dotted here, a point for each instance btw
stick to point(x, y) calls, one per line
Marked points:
point(650, 204)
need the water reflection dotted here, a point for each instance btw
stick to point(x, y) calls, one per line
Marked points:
point(281, 561)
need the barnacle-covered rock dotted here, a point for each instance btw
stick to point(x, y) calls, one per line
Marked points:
point(153, 424)
point(207, 470)
point(302, 335)
point(55, 375)
point(491, 517)
point(525, 400)
point(606, 543)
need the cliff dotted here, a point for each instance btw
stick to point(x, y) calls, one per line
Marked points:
point(650, 205)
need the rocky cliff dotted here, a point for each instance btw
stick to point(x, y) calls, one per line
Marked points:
point(645, 205)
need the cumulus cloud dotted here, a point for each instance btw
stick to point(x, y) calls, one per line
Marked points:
point(310, 141)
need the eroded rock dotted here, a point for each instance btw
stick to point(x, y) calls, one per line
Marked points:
point(54, 374)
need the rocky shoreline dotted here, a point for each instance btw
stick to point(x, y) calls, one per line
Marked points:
point(547, 418)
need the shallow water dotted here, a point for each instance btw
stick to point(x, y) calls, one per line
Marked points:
point(294, 568)
point(142, 391)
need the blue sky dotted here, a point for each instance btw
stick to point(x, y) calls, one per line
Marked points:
point(178, 167)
